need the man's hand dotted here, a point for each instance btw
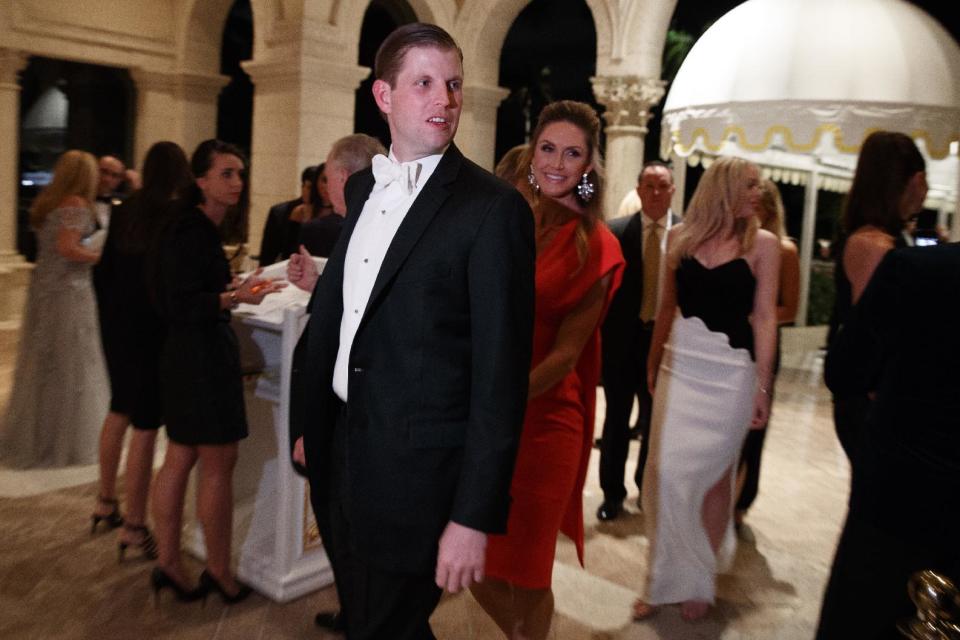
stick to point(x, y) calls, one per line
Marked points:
point(302, 270)
point(298, 454)
point(461, 558)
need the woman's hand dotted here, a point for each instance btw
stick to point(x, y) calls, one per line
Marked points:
point(761, 409)
point(651, 380)
point(302, 270)
point(254, 289)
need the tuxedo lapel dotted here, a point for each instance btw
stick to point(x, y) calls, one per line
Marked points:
point(421, 213)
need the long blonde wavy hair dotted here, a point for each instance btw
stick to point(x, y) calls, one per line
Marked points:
point(713, 207)
point(772, 216)
point(75, 174)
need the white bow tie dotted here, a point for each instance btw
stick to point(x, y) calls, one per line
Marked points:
point(386, 171)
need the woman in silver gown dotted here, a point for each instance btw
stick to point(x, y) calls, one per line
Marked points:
point(60, 390)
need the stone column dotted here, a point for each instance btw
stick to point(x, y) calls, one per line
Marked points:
point(11, 63)
point(628, 100)
point(14, 270)
point(477, 134)
point(181, 107)
point(302, 104)
point(679, 164)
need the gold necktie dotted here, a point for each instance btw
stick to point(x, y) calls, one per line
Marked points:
point(651, 271)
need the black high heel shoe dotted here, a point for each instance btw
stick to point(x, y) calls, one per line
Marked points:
point(146, 544)
point(159, 579)
point(208, 583)
point(112, 519)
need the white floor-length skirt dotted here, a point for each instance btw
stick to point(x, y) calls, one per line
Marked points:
point(701, 413)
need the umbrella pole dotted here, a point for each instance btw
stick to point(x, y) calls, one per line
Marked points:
point(806, 245)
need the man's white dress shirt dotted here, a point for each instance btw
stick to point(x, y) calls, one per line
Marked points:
point(384, 211)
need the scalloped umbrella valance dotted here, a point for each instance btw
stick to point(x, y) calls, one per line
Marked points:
point(793, 83)
point(786, 73)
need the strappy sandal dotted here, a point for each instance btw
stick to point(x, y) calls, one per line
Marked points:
point(112, 519)
point(146, 544)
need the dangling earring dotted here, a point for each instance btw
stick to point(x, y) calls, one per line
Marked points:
point(585, 189)
point(532, 179)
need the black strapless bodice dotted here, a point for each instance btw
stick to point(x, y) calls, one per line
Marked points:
point(722, 297)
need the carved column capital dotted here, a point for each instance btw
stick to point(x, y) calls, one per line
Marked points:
point(476, 96)
point(202, 85)
point(628, 99)
point(292, 73)
point(12, 62)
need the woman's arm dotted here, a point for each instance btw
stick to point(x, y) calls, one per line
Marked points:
point(789, 295)
point(252, 290)
point(861, 255)
point(664, 318)
point(69, 246)
point(763, 318)
point(575, 330)
point(73, 221)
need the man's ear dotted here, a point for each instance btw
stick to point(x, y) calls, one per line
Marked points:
point(381, 94)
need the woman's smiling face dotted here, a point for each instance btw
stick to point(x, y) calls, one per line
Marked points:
point(560, 157)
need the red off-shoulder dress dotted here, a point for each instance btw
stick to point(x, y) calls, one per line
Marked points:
point(547, 486)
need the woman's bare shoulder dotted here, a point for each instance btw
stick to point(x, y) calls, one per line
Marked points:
point(867, 243)
point(870, 239)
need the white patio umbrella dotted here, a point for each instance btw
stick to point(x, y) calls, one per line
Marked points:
point(809, 80)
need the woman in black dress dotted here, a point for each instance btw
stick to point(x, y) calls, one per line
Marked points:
point(200, 371)
point(889, 187)
point(132, 333)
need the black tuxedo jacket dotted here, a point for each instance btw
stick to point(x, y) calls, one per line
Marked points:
point(320, 235)
point(620, 326)
point(902, 342)
point(438, 370)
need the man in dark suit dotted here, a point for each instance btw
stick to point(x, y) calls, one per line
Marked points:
point(347, 156)
point(418, 354)
point(275, 227)
point(111, 174)
point(627, 331)
point(901, 345)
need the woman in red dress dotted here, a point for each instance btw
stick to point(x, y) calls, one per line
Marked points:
point(579, 266)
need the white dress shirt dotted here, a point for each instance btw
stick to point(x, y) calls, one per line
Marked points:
point(382, 214)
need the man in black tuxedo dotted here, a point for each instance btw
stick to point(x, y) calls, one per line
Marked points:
point(901, 345)
point(418, 354)
point(627, 331)
point(111, 174)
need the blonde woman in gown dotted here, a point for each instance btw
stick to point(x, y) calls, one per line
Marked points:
point(710, 370)
point(60, 390)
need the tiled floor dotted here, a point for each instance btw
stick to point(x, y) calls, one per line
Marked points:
point(71, 586)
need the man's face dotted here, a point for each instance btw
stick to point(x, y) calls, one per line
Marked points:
point(655, 190)
point(111, 175)
point(336, 176)
point(423, 109)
